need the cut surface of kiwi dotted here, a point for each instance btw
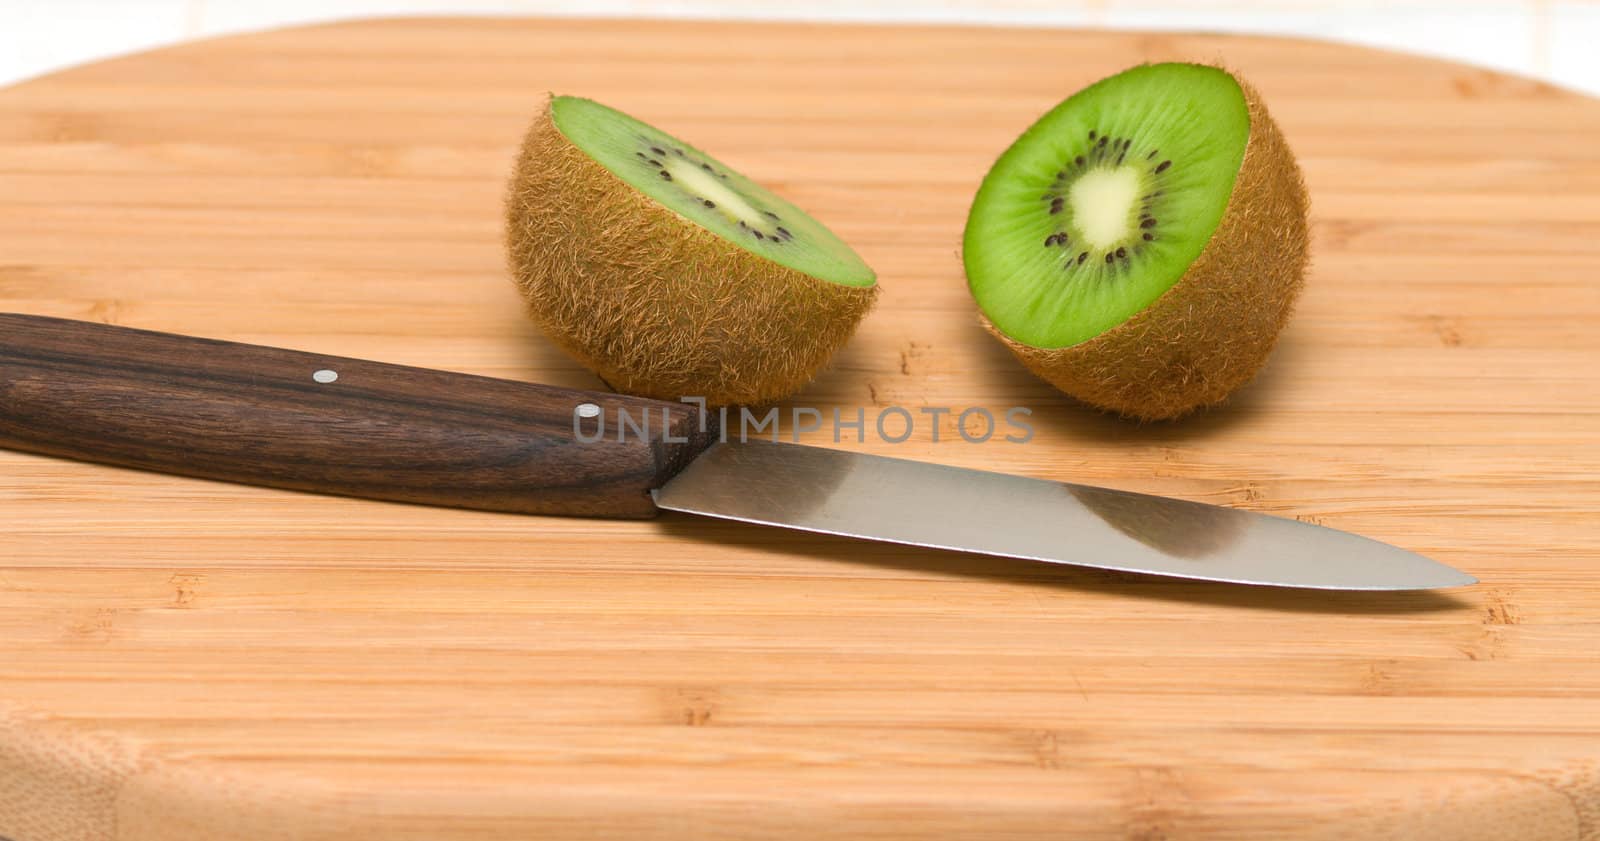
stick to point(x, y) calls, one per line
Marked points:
point(668, 273)
point(1104, 203)
point(707, 192)
point(1142, 244)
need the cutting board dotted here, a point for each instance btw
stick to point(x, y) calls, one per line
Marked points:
point(185, 659)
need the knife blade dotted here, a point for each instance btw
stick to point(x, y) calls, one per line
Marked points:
point(288, 419)
point(940, 507)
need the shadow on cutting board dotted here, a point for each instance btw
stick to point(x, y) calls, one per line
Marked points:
point(848, 552)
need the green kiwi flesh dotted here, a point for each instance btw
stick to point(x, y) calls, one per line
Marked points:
point(1104, 203)
point(707, 192)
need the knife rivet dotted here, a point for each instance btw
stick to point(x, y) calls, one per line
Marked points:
point(587, 410)
point(325, 376)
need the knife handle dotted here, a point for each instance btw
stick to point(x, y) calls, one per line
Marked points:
point(286, 419)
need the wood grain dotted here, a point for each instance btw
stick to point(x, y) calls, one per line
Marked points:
point(246, 413)
point(181, 658)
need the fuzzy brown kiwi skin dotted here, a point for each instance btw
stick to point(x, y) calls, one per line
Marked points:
point(1212, 331)
point(654, 304)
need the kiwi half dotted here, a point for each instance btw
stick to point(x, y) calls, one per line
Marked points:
point(1142, 244)
point(665, 271)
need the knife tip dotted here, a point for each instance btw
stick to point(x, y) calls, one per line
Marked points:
point(1446, 578)
point(1463, 580)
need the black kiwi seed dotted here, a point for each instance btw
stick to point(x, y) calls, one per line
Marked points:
point(1082, 256)
point(666, 175)
point(1109, 258)
point(1092, 134)
point(786, 234)
point(658, 150)
point(1148, 223)
point(1122, 253)
point(758, 235)
point(1163, 166)
point(1149, 236)
point(1078, 160)
point(771, 215)
point(710, 203)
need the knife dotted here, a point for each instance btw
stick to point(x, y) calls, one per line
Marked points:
point(305, 421)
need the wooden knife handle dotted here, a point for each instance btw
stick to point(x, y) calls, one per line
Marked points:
point(282, 418)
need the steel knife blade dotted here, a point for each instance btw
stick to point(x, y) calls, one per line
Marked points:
point(940, 507)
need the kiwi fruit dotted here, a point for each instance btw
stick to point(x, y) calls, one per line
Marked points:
point(665, 271)
point(1141, 246)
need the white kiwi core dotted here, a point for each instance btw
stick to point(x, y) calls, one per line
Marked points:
point(708, 186)
point(1103, 201)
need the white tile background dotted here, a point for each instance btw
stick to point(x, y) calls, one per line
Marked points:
point(1557, 40)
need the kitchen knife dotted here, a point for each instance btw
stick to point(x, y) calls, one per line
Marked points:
point(281, 418)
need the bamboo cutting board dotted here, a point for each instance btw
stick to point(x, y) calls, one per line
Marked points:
point(183, 659)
